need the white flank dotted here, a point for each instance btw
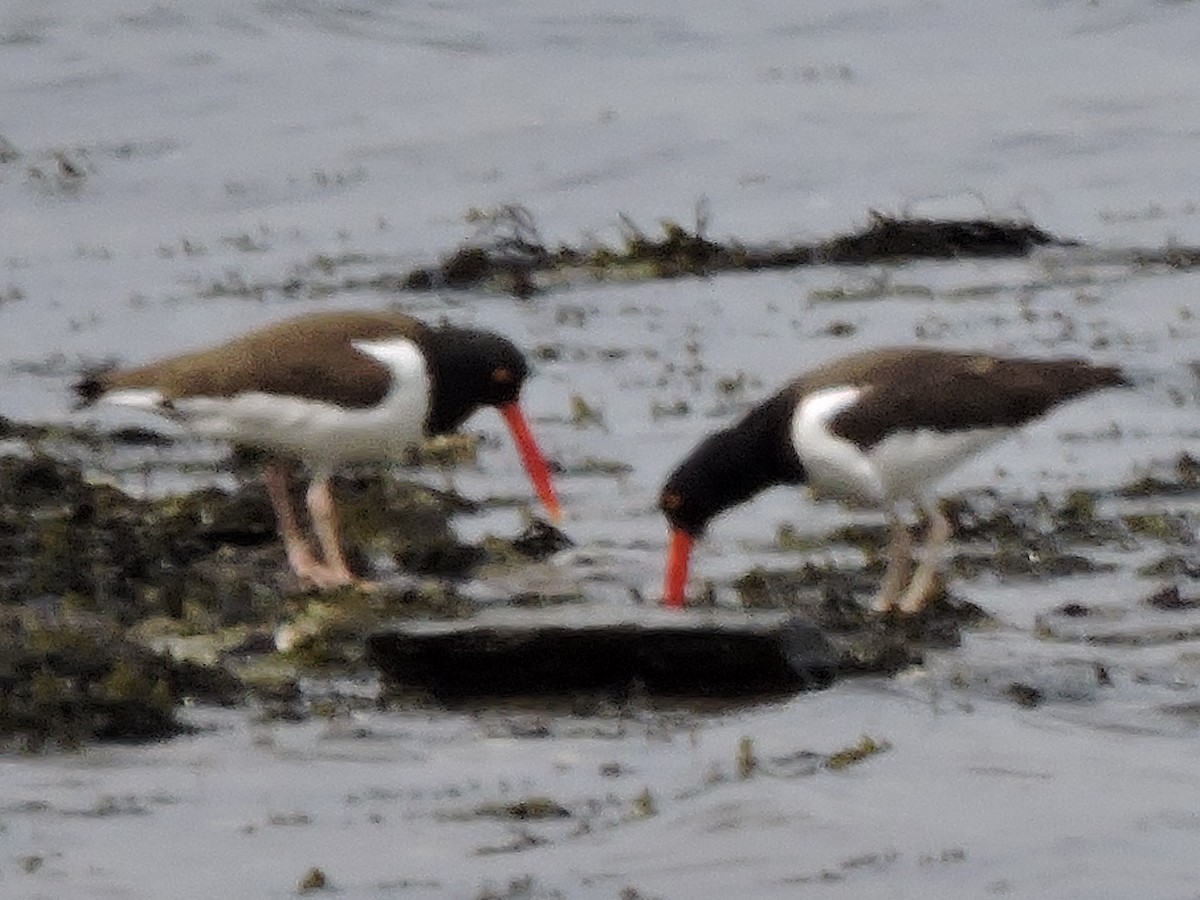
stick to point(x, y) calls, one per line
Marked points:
point(323, 434)
point(900, 467)
point(909, 462)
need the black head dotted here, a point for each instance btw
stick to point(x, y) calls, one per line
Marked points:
point(469, 369)
point(731, 466)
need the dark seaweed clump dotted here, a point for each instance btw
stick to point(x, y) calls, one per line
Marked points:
point(837, 601)
point(67, 679)
point(94, 580)
point(508, 254)
point(210, 556)
point(995, 537)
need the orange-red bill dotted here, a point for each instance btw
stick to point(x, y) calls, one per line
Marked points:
point(679, 554)
point(531, 458)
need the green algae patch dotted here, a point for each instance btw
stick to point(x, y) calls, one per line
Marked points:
point(745, 761)
point(444, 451)
point(67, 681)
point(1168, 528)
point(644, 805)
point(1183, 478)
point(314, 880)
point(327, 633)
point(526, 809)
point(850, 756)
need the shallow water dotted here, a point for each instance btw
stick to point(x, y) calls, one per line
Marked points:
point(225, 144)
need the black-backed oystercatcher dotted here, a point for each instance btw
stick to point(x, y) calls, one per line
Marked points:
point(879, 427)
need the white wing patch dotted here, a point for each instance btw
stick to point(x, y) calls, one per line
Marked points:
point(834, 465)
point(398, 354)
point(900, 467)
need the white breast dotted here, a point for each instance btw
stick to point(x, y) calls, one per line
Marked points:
point(903, 466)
point(323, 434)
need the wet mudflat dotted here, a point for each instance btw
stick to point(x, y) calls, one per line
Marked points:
point(1044, 748)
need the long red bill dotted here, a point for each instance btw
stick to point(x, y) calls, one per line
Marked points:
point(679, 554)
point(531, 458)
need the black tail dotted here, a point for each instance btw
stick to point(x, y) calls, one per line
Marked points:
point(90, 387)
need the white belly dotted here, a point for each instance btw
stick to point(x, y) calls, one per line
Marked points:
point(318, 432)
point(903, 466)
point(910, 462)
point(322, 434)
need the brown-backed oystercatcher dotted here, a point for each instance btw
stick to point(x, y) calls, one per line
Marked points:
point(329, 389)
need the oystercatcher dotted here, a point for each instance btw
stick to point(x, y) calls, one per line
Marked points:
point(329, 389)
point(879, 427)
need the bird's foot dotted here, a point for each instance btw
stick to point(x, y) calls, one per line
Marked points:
point(925, 588)
point(883, 602)
point(326, 577)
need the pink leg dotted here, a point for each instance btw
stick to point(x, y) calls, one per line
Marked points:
point(299, 553)
point(924, 585)
point(323, 511)
point(899, 565)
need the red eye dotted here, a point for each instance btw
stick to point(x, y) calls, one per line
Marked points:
point(502, 376)
point(671, 502)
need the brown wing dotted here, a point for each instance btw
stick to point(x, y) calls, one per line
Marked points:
point(947, 391)
point(310, 356)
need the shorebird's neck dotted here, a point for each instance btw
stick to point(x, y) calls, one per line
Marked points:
point(733, 465)
point(758, 452)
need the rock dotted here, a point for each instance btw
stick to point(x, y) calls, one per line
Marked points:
point(543, 652)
